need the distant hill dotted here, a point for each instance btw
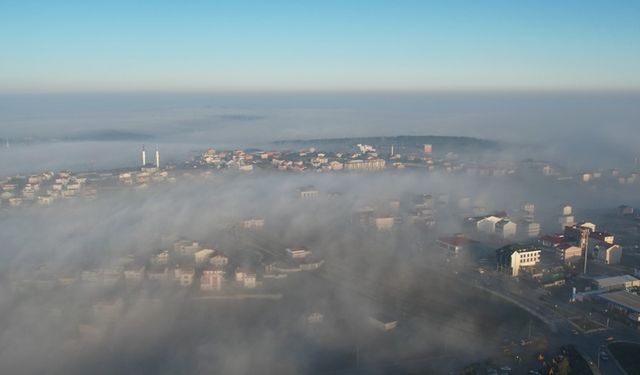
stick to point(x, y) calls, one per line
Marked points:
point(401, 142)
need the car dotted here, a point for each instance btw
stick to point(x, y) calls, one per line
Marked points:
point(604, 356)
point(575, 332)
point(610, 338)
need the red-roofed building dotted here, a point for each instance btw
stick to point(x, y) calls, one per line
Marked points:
point(552, 240)
point(454, 244)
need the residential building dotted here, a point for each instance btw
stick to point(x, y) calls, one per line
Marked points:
point(454, 244)
point(512, 258)
point(384, 222)
point(203, 256)
point(186, 247)
point(252, 223)
point(298, 252)
point(505, 229)
point(184, 275)
point(308, 192)
point(568, 253)
point(487, 225)
point(211, 279)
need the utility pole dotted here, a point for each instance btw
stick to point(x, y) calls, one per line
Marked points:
point(584, 239)
point(529, 329)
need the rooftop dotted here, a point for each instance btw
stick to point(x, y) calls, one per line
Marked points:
point(623, 298)
point(608, 281)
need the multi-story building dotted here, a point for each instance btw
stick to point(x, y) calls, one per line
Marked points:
point(512, 258)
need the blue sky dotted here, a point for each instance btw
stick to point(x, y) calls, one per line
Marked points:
point(329, 45)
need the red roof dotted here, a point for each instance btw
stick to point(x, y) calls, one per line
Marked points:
point(564, 246)
point(455, 240)
point(554, 239)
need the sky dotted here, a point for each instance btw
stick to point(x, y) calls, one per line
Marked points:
point(222, 46)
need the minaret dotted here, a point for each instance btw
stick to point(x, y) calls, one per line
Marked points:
point(157, 157)
point(144, 156)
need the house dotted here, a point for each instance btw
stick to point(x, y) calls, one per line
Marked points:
point(528, 229)
point(625, 210)
point(185, 247)
point(134, 273)
point(45, 199)
point(298, 252)
point(219, 259)
point(605, 252)
point(568, 253)
point(512, 258)
point(211, 279)
point(252, 223)
point(552, 240)
point(383, 322)
point(203, 256)
point(505, 229)
point(602, 237)
point(158, 273)
point(487, 225)
point(315, 318)
point(184, 275)
point(246, 278)
point(308, 192)
point(384, 222)
point(372, 164)
point(453, 244)
point(587, 225)
point(159, 259)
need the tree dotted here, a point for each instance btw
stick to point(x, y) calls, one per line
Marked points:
point(563, 367)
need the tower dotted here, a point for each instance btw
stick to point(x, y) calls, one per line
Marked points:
point(157, 157)
point(144, 156)
point(391, 151)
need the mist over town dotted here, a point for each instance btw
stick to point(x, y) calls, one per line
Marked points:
point(332, 187)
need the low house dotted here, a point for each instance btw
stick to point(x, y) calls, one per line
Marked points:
point(298, 252)
point(453, 244)
point(246, 278)
point(605, 252)
point(308, 192)
point(185, 247)
point(384, 222)
point(252, 223)
point(211, 279)
point(134, 273)
point(184, 275)
point(383, 322)
point(203, 256)
point(158, 273)
point(219, 259)
point(602, 237)
point(552, 240)
point(160, 259)
point(568, 253)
